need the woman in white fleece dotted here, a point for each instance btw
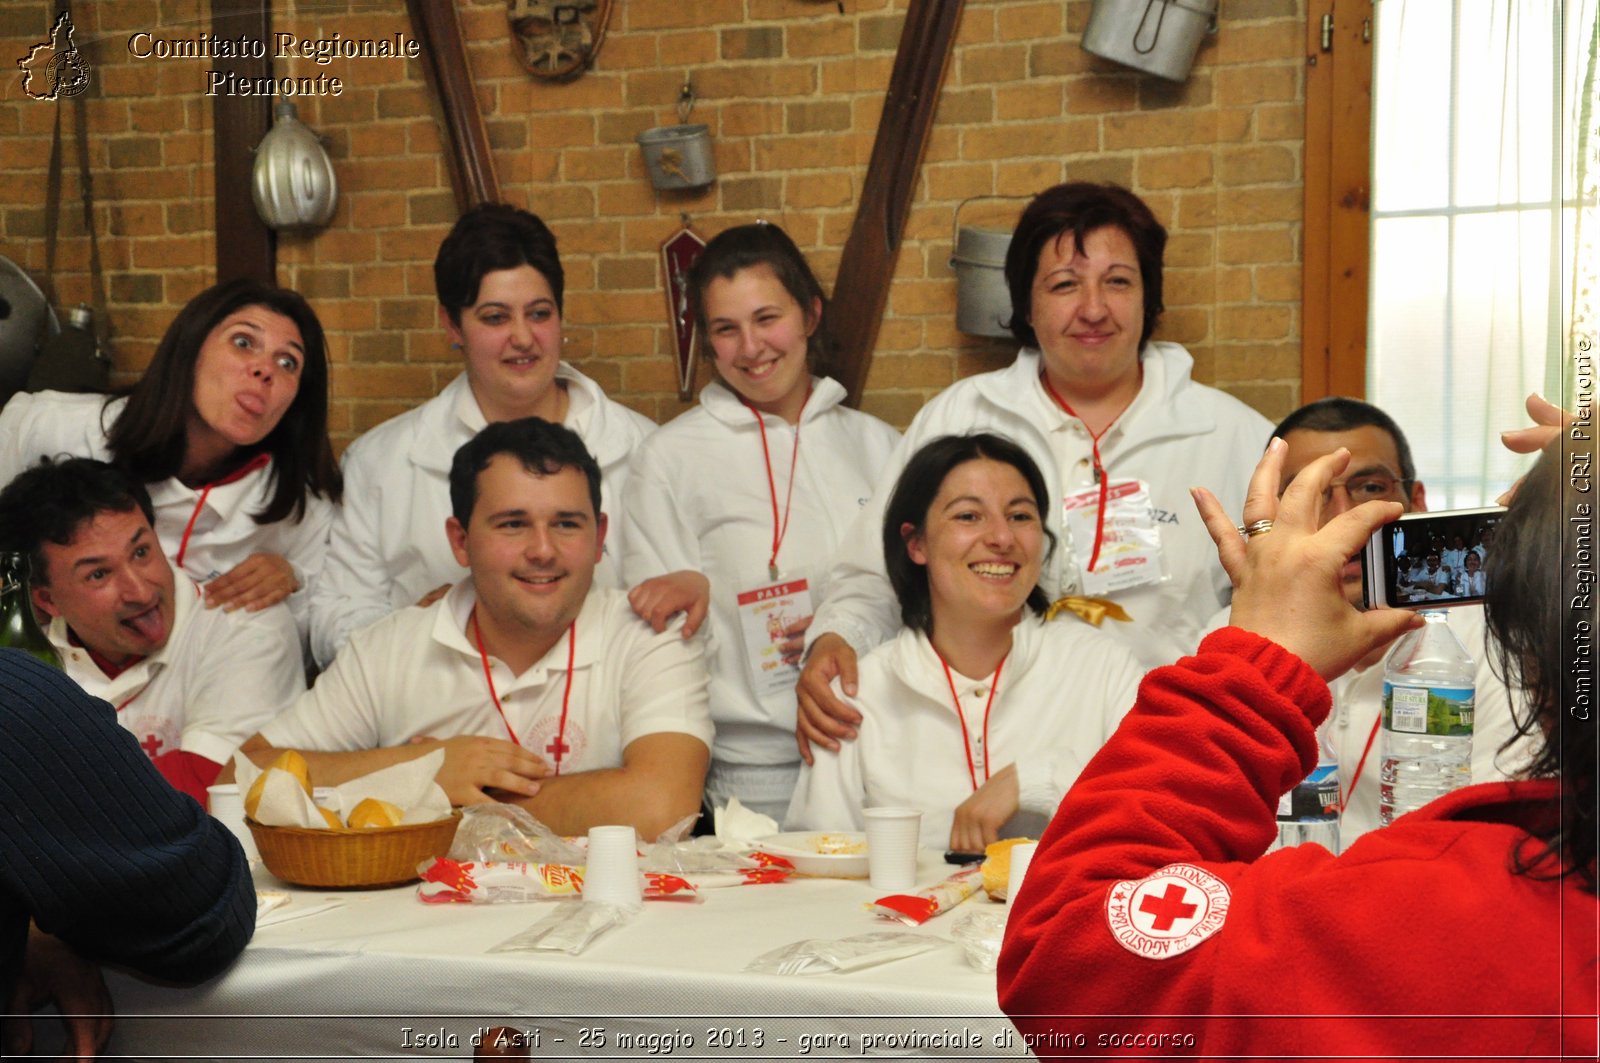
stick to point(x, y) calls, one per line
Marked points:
point(979, 712)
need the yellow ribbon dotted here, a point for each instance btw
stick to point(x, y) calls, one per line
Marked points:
point(1092, 610)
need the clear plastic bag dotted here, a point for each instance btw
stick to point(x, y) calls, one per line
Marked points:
point(502, 833)
point(569, 928)
point(819, 956)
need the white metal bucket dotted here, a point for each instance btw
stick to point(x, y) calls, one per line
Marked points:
point(678, 156)
point(1159, 37)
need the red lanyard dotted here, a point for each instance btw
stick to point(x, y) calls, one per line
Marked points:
point(1100, 476)
point(559, 746)
point(1344, 798)
point(257, 462)
point(779, 529)
point(966, 739)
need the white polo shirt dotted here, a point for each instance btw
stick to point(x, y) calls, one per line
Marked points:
point(387, 546)
point(219, 678)
point(1063, 690)
point(416, 673)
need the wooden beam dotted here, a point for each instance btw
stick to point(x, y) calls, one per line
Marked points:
point(245, 246)
point(466, 140)
point(1338, 169)
point(867, 263)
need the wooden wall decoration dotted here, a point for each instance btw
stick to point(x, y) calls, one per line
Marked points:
point(867, 263)
point(245, 246)
point(466, 138)
point(558, 39)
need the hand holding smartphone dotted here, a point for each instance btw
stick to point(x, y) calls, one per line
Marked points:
point(1429, 560)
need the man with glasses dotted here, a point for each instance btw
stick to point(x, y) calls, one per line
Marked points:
point(1381, 469)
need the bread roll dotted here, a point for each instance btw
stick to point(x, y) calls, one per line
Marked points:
point(293, 763)
point(373, 813)
point(997, 867)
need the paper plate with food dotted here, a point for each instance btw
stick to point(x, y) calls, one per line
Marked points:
point(820, 853)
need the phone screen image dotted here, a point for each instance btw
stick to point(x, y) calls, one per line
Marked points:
point(1430, 560)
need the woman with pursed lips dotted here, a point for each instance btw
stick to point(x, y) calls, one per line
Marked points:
point(1115, 423)
point(228, 429)
point(734, 507)
point(979, 712)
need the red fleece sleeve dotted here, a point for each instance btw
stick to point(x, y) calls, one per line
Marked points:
point(189, 773)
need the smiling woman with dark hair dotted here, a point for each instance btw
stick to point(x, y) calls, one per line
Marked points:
point(1113, 419)
point(228, 428)
point(980, 713)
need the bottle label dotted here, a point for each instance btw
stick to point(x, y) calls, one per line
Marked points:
point(1419, 710)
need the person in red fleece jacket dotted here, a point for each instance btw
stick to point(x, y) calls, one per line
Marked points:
point(1150, 922)
point(190, 683)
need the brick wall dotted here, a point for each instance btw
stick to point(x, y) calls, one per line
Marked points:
point(791, 90)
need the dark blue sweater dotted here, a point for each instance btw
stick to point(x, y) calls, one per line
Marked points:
point(96, 847)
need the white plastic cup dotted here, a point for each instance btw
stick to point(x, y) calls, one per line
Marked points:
point(1021, 858)
point(612, 872)
point(227, 808)
point(892, 836)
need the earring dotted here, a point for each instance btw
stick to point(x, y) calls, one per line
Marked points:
point(455, 346)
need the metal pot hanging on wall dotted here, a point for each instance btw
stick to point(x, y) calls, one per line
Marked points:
point(293, 185)
point(679, 156)
point(1159, 37)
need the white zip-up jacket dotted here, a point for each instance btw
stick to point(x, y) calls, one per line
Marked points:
point(1175, 435)
point(699, 498)
point(1063, 690)
point(225, 532)
point(388, 546)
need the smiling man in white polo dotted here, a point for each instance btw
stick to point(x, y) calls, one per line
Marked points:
point(540, 688)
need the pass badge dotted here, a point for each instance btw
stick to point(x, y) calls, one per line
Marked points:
point(1125, 531)
point(765, 613)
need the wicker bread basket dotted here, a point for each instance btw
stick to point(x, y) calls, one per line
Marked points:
point(346, 859)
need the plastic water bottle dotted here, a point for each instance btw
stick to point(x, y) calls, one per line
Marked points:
point(1429, 686)
point(1310, 812)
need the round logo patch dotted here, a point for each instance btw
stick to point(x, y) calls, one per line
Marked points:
point(157, 733)
point(1168, 912)
point(545, 739)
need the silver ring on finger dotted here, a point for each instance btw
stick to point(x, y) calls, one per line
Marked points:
point(1256, 527)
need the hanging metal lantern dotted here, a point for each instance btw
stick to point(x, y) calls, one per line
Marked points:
point(294, 185)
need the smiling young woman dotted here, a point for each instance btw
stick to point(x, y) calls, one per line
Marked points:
point(978, 712)
point(792, 466)
point(500, 285)
point(228, 429)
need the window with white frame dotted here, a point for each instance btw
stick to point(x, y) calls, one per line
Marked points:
point(1483, 224)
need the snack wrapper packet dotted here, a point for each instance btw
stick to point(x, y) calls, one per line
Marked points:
point(408, 786)
point(914, 909)
point(449, 881)
point(709, 862)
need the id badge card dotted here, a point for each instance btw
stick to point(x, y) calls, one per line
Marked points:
point(765, 613)
point(1130, 538)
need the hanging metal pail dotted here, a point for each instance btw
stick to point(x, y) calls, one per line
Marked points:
point(983, 304)
point(1159, 37)
point(678, 156)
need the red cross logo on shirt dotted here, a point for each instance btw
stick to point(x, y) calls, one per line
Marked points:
point(557, 748)
point(151, 746)
point(1168, 912)
point(1168, 907)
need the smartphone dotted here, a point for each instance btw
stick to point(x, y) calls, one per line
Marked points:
point(1429, 560)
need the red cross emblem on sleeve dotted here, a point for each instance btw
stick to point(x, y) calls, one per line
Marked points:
point(1167, 913)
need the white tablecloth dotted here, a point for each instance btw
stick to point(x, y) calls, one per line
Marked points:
point(385, 976)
